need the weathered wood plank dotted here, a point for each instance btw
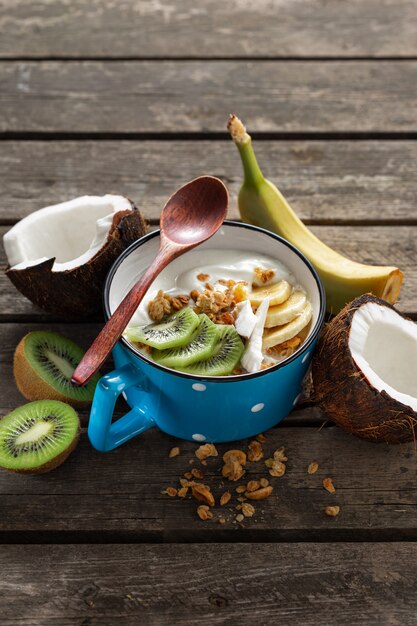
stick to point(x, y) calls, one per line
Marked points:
point(181, 96)
point(86, 499)
point(326, 181)
point(366, 584)
point(237, 28)
point(83, 334)
point(394, 245)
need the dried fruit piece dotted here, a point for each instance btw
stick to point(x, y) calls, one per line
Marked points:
point(332, 511)
point(259, 494)
point(255, 452)
point(328, 485)
point(225, 498)
point(313, 467)
point(248, 509)
point(204, 512)
point(202, 492)
point(174, 452)
point(206, 450)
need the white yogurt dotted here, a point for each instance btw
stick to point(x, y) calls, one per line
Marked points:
point(180, 277)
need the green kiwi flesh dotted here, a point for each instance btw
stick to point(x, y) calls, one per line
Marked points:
point(200, 346)
point(174, 332)
point(225, 356)
point(53, 358)
point(38, 436)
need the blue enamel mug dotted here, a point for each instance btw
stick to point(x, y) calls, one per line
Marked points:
point(192, 407)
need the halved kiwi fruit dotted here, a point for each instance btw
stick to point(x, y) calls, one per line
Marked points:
point(200, 347)
point(174, 332)
point(225, 356)
point(37, 437)
point(43, 365)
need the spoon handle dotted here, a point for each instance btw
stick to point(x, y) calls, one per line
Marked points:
point(113, 329)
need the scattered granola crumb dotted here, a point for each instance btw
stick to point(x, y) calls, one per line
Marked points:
point(261, 438)
point(332, 511)
point(259, 494)
point(194, 295)
point(240, 489)
point(279, 454)
point(253, 485)
point(242, 499)
point(278, 469)
point(225, 498)
point(182, 492)
point(328, 485)
point(313, 467)
point(255, 452)
point(204, 512)
point(222, 520)
point(202, 492)
point(203, 277)
point(188, 475)
point(248, 509)
point(179, 302)
point(239, 455)
point(170, 491)
point(239, 517)
point(186, 483)
point(269, 462)
point(197, 473)
point(264, 482)
point(206, 450)
point(191, 461)
point(174, 452)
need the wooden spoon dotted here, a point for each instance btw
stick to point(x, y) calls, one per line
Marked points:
point(192, 215)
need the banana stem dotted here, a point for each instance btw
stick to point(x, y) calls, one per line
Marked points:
point(243, 141)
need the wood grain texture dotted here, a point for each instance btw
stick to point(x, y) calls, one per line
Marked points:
point(170, 28)
point(117, 496)
point(365, 585)
point(382, 245)
point(325, 181)
point(186, 96)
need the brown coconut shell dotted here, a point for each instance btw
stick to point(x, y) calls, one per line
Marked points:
point(53, 463)
point(344, 393)
point(77, 293)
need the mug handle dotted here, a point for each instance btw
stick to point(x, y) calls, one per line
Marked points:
point(103, 434)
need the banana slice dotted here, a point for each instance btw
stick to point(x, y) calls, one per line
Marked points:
point(287, 311)
point(277, 293)
point(279, 334)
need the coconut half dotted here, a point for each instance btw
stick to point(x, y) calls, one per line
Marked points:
point(365, 371)
point(58, 257)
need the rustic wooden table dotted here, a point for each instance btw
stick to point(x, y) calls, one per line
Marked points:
point(132, 98)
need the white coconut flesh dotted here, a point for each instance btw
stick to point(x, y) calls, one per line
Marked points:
point(384, 346)
point(71, 232)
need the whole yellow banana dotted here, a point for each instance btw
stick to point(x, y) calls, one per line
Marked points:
point(262, 204)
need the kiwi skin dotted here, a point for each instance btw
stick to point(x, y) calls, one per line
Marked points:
point(53, 463)
point(32, 386)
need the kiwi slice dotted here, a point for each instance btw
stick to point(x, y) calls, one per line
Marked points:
point(174, 332)
point(225, 356)
point(37, 437)
point(199, 348)
point(43, 365)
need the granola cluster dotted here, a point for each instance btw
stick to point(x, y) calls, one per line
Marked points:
point(248, 493)
point(164, 304)
point(263, 276)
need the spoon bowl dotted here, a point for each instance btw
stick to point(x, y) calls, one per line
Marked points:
point(193, 214)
